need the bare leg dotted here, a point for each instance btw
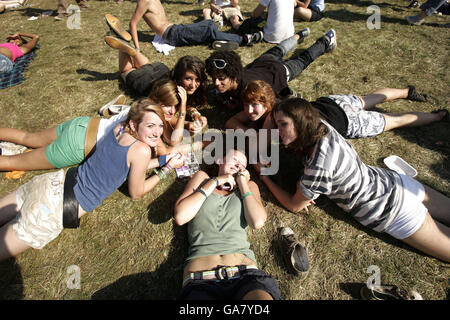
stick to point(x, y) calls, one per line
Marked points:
point(438, 205)
point(235, 22)
point(207, 14)
point(10, 245)
point(411, 119)
point(29, 139)
point(432, 238)
point(257, 295)
point(303, 14)
point(128, 64)
point(384, 95)
point(33, 160)
point(8, 208)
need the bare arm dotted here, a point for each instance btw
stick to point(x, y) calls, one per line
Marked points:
point(294, 203)
point(254, 211)
point(177, 133)
point(141, 9)
point(303, 4)
point(30, 45)
point(237, 121)
point(258, 11)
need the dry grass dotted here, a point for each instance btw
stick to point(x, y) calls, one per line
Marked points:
point(132, 250)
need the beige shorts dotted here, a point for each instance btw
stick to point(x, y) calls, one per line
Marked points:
point(228, 12)
point(40, 203)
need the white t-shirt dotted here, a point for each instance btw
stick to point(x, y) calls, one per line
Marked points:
point(280, 20)
point(106, 125)
point(223, 3)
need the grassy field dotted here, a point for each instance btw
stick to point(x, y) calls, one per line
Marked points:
point(131, 249)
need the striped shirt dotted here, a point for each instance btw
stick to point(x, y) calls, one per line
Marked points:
point(372, 195)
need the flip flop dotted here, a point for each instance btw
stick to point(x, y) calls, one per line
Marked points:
point(221, 45)
point(115, 25)
point(389, 292)
point(123, 46)
point(295, 253)
point(120, 99)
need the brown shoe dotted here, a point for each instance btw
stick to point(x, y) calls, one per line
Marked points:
point(115, 25)
point(123, 46)
point(295, 253)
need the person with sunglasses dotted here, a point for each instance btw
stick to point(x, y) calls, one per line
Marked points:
point(220, 263)
point(229, 76)
point(176, 35)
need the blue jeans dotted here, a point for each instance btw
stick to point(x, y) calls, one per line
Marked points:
point(201, 32)
point(431, 6)
point(6, 65)
point(296, 65)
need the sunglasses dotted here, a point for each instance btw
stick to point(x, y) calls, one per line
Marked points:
point(219, 63)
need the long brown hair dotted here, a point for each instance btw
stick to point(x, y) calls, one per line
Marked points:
point(164, 92)
point(137, 112)
point(307, 122)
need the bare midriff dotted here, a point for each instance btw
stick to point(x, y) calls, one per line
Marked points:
point(6, 52)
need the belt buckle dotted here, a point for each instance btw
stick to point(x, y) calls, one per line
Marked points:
point(221, 273)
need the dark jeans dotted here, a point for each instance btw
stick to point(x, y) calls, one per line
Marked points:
point(201, 32)
point(296, 65)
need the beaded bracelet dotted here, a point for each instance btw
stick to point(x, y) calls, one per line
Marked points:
point(180, 114)
point(160, 174)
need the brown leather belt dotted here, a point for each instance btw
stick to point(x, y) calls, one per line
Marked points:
point(91, 136)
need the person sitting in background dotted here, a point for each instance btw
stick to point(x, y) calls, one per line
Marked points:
point(309, 10)
point(224, 10)
point(427, 9)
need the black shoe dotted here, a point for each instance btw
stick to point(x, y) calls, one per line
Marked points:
point(295, 253)
point(252, 38)
point(303, 34)
point(413, 95)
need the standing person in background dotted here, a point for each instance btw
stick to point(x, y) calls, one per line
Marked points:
point(309, 10)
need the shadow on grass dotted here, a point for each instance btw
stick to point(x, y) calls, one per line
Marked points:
point(352, 288)
point(11, 283)
point(161, 209)
point(349, 16)
point(163, 283)
point(30, 12)
point(98, 76)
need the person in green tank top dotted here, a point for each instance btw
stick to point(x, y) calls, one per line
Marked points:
point(220, 263)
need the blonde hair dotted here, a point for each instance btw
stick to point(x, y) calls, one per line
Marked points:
point(137, 111)
point(164, 92)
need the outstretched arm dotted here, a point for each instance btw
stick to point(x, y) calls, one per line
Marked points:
point(30, 45)
point(141, 9)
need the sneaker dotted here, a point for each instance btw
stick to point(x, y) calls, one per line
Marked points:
point(123, 46)
point(303, 34)
point(330, 36)
point(252, 38)
point(108, 109)
point(220, 45)
point(295, 254)
point(413, 95)
point(415, 20)
point(60, 17)
point(201, 2)
point(114, 24)
point(10, 149)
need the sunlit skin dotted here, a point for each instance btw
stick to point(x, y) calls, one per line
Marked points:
point(224, 84)
point(169, 112)
point(234, 162)
point(286, 128)
point(150, 129)
point(254, 110)
point(190, 82)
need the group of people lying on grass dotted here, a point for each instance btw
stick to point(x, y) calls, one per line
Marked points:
point(147, 136)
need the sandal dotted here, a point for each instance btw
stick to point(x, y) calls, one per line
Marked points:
point(295, 253)
point(115, 25)
point(388, 293)
point(106, 109)
point(447, 114)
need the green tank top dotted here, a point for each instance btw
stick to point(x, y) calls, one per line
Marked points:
point(219, 228)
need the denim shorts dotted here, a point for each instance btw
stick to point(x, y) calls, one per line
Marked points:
point(235, 289)
point(361, 123)
point(6, 65)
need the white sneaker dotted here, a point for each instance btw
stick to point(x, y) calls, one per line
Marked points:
point(332, 43)
point(119, 100)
